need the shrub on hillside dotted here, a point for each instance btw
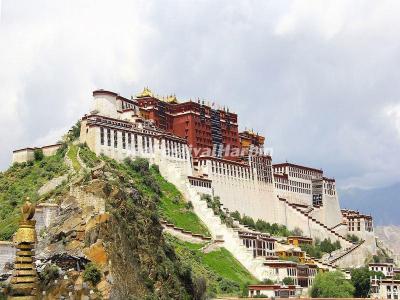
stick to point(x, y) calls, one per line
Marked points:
point(236, 216)
point(189, 205)
point(353, 238)
point(156, 168)
point(248, 221)
point(140, 165)
point(92, 274)
point(200, 288)
point(38, 154)
point(50, 272)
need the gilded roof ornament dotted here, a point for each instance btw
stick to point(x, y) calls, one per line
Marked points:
point(145, 93)
point(172, 99)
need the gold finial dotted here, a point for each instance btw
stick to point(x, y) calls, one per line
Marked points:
point(145, 93)
point(27, 210)
point(172, 99)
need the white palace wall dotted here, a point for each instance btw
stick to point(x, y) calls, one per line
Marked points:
point(235, 183)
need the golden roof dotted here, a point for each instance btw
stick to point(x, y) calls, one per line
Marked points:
point(172, 99)
point(145, 93)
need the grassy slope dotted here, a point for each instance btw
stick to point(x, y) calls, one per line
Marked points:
point(72, 155)
point(21, 181)
point(224, 274)
point(173, 208)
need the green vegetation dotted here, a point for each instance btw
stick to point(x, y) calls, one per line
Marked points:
point(24, 180)
point(353, 238)
point(319, 248)
point(92, 274)
point(216, 204)
point(288, 281)
point(174, 209)
point(88, 157)
point(72, 155)
point(262, 226)
point(38, 154)
point(144, 265)
point(360, 279)
point(170, 203)
point(331, 285)
point(224, 275)
point(50, 273)
point(74, 133)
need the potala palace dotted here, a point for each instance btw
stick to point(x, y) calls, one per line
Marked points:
point(200, 149)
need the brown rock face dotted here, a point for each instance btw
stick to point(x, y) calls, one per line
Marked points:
point(97, 254)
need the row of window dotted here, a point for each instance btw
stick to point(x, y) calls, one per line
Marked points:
point(292, 189)
point(231, 170)
point(355, 225)
point(174, 149)
point(200, 183)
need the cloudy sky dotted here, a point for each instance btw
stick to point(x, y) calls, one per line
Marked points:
point(320, 79)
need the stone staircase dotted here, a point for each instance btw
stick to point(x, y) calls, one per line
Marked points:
point(218, 230)
point(346, 252)
point(232, 241)
point(330, 233)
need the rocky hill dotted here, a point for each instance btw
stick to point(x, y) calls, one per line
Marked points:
point(107, 241)
point(390, 236)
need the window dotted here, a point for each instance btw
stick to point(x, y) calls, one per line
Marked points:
point(135, 139)
point(123, 140)
point(102, 135)
point(115, 139)
point(108, 137)
point(129, 141)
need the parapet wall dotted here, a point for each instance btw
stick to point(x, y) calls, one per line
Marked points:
point(27, 154)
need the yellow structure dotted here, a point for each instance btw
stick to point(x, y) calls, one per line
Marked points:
point(145, 93)
point(299, 240)
point(24, 279)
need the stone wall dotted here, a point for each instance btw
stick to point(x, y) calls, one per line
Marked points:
point(45, 214)
point(27, 154)
point(7, 254)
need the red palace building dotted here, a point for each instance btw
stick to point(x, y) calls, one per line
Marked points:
point(201, 125)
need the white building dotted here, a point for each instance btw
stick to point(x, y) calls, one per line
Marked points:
point(288, 194)
point(386, 268)
point(275, 291)
point(385, 288)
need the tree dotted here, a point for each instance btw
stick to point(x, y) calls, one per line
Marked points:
point(38, 154)
point(297, 231)
point(361, 280)
point(248, 221)
point(353, 238)
point(331, 285)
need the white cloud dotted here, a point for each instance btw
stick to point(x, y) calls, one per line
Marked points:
point(310, 75)
point(393, 114)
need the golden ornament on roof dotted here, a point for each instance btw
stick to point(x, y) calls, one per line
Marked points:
point(172, 99)
point(145, 93)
